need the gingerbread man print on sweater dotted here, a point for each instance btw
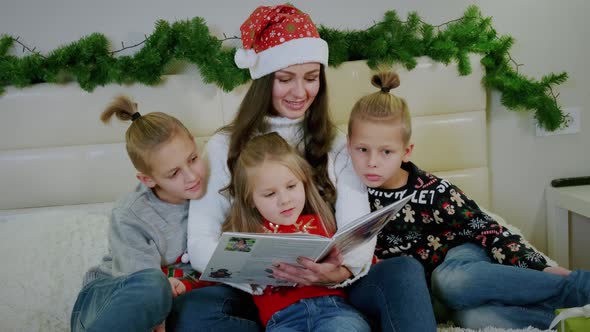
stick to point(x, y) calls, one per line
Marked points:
point(377, 204)
point(456, 197)
point(498, 255)
point(434, 242)
point(409, 213)
point(437, 218)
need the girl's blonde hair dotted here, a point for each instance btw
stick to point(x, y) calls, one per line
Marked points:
point(146, 132)
point(243, 216)
point(383, 106)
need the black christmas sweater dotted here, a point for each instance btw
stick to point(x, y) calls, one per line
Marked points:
point(439, 217)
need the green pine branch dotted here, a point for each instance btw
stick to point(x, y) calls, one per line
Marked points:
point(91, 63)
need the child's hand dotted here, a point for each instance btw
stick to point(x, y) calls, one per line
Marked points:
point(160, 328)
point(177, 287)
point(560, 271)
point(329, 272)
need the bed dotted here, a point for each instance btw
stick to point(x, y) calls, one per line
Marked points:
point(61, 168)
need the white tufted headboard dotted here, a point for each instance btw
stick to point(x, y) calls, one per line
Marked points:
point(54, 151)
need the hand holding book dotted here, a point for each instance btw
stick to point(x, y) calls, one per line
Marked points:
point(327, 272)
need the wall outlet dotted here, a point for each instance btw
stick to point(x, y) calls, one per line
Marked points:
point(570, 126)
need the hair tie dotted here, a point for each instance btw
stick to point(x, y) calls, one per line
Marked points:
point(135, 116)
point(385, 89)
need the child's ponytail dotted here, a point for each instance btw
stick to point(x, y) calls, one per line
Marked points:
point(122, 107)
point(145, 133)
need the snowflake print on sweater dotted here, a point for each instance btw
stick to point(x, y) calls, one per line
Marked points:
point(440, 217)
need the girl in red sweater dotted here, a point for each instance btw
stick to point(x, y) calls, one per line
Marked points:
point(274, 191)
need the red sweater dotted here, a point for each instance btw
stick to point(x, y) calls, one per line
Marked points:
point(188, 277)
point(275, 299)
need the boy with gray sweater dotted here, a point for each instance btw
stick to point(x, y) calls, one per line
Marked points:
point(136, 285)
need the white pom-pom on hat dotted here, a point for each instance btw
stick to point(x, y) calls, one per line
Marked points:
point(245, 58)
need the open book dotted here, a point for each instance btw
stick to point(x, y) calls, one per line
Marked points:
point(245, 257)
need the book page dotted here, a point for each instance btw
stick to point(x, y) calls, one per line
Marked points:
point(364, 228)
point(245, 257)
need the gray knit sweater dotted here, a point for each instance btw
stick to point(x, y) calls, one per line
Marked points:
point(144, 233)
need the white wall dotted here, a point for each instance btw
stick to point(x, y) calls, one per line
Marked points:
point(550, 37)
point(580, 232)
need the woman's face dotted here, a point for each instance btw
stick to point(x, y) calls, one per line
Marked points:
point(294, 89)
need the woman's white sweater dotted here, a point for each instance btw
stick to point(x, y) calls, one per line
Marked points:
point(207, 214)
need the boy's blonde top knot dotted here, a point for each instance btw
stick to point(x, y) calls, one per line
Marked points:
point(385, 81)
point(146, 133)
point(383, 106)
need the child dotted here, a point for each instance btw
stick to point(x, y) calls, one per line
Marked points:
point(440, 217)
point(132, 289)
point(274, 191)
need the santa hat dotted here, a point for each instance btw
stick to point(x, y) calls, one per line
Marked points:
point(276, 37)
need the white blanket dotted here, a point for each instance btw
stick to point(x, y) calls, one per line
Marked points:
point(43, 257)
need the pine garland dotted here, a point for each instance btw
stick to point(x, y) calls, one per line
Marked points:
point(90, 62)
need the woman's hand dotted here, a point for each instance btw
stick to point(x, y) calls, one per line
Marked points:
point(328, 272)
point(560, 271)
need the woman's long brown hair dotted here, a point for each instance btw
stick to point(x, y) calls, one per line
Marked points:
point(318, 130)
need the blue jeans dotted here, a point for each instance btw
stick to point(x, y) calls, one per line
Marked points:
point(484, 293)
point(137, 302)
point(394, 294)
point(318, 314)
point(214, 308)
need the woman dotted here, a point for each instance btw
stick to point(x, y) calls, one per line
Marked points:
point(288, 95)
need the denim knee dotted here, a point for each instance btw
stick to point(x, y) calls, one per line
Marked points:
point(577, 289)
point(402, 267)
point(389, 277)
point(449, 282)
point(214, 308)
point(156, 296)
point(108, 302)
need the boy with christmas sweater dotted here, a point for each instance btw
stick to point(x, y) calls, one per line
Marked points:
point(476, 267)
point(439, 217)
